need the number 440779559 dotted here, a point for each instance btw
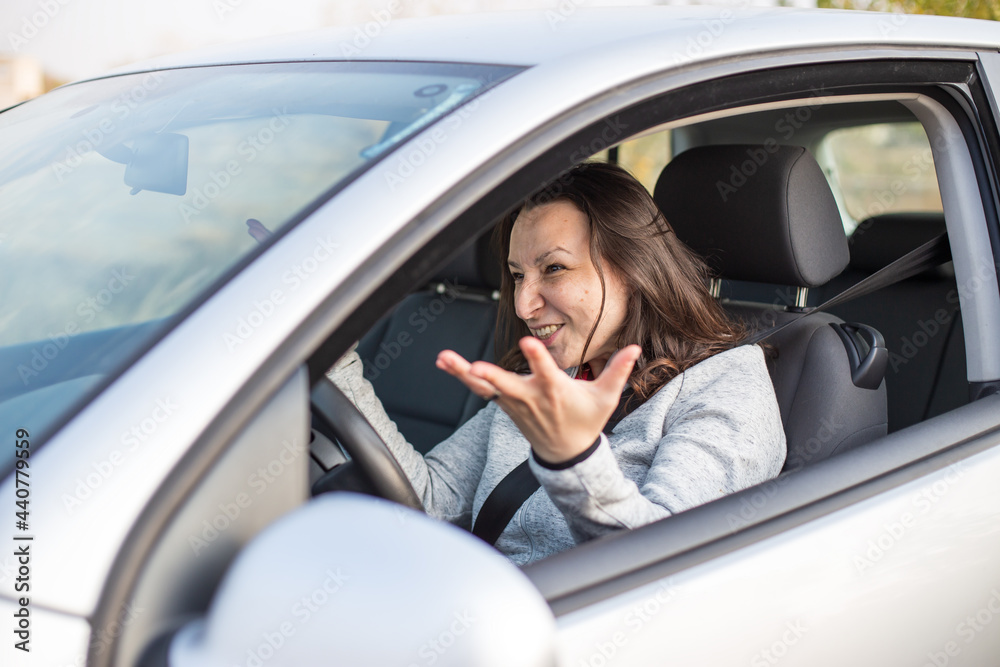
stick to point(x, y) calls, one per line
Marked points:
point(22, 451)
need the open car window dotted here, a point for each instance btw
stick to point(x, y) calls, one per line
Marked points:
point(883, 177)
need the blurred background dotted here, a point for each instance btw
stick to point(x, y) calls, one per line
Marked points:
point(45, 43)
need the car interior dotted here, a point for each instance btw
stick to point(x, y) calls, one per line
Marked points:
point(785, 238)
point(779, 246)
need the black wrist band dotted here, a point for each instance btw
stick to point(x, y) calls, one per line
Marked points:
point(582, 456)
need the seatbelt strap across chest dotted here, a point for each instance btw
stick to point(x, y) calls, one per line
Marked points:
point(519, 485)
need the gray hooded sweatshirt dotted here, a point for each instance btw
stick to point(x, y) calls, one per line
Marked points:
point(712, 430)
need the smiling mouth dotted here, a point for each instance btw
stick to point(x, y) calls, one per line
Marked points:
point(545, 332)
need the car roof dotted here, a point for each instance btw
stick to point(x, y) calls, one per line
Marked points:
point(678, 35)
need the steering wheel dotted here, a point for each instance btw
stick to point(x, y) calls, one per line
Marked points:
point(364, 445)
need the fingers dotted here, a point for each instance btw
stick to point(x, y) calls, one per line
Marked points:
point(456, 365)
point(539, 360)
point(616, 371)
point(486, 379)
point(543, 370)
point(507, 383)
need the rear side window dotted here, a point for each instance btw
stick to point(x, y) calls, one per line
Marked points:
point(644, 157)
point(880, 168)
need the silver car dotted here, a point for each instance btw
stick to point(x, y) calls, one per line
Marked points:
point(187, 245)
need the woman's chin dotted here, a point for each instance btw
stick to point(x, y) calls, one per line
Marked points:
point(564, 359)
point(565, 362)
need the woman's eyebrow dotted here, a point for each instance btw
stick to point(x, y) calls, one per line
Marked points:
point(541, 258)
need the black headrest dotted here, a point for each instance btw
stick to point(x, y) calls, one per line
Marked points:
point(882, 239)
point(476, 266)
point(756, 213)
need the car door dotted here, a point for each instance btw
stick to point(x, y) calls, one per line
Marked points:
point(877, 556)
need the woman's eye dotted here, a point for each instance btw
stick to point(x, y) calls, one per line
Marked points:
point(552, 268)
point(517, 277)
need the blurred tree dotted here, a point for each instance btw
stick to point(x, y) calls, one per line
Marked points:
point(978, 9)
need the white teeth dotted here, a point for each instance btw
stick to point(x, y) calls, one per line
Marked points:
point(545, 332)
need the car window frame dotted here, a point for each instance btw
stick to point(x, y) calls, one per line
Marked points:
point(598, 570)
point(589, 573)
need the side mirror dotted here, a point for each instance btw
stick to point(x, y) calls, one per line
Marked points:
point(353, 580)
point(159, 162)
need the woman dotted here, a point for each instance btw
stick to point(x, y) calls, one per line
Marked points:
point(598, 293)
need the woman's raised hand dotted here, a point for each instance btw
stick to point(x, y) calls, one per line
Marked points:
point(561, 417)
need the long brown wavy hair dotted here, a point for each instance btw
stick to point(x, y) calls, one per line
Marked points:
point(670, 312)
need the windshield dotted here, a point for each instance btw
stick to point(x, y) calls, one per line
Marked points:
point(124, 201)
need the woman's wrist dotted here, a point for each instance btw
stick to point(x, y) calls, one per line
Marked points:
point(569, 463)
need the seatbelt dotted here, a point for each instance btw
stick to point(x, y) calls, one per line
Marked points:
point(503, 502)
point(519, 484)
point(927, 256)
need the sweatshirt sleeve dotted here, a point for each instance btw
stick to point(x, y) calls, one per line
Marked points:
point(722, 434)
point(447, 477)
point(594, 495)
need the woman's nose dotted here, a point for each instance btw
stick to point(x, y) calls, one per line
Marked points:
point(527, 299)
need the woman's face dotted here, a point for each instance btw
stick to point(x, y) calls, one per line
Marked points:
point(557, 291)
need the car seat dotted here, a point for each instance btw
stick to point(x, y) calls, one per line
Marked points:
point(919, 317)
point(766, 214)
point(458, 311)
